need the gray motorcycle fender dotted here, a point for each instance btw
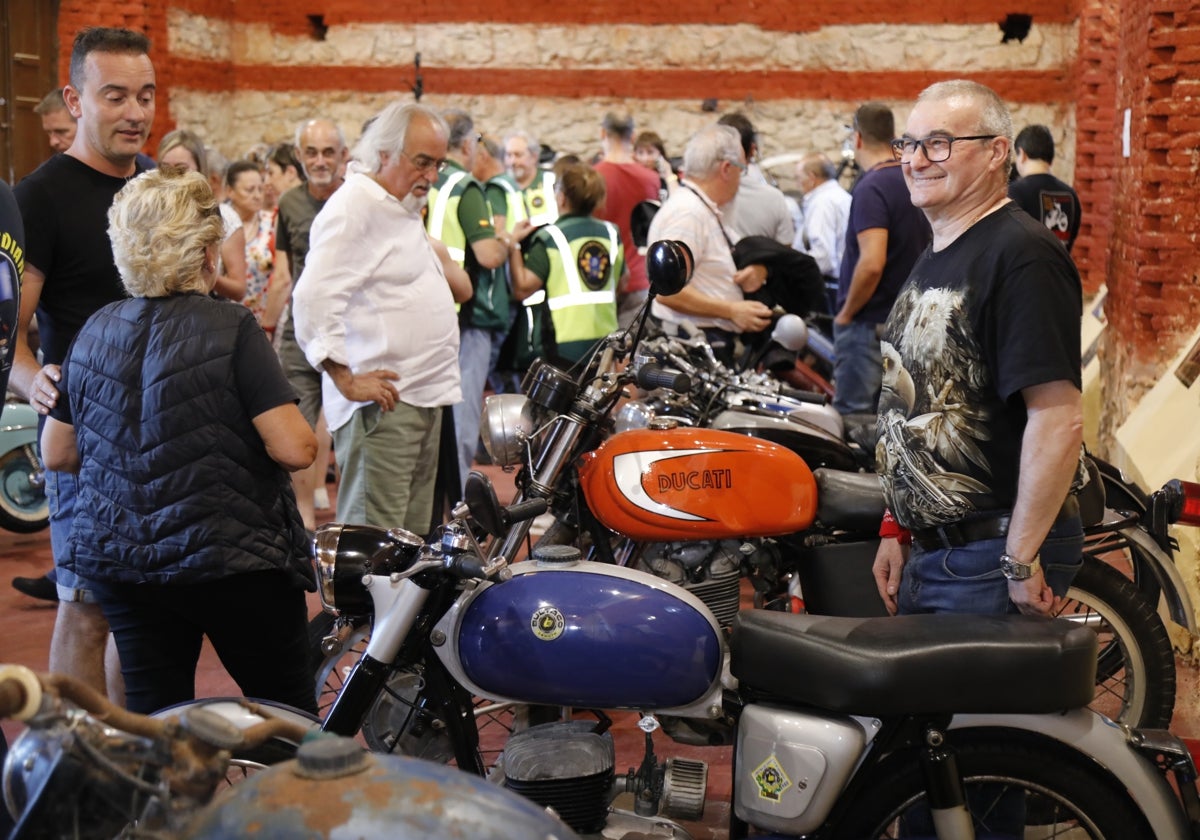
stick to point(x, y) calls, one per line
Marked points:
point(1105, 743)
point(19, 425)
point(1175, 592)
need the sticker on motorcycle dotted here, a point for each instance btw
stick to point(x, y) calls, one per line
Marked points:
point(547, 624)
point(771, 779)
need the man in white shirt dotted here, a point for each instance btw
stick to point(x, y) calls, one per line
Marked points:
point(375, 313)
point(825, 213)
point(761, 208)
point(713, 301)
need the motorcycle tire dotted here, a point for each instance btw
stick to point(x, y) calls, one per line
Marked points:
point(1063, 792)
point(1135, 673)
point(24, 507)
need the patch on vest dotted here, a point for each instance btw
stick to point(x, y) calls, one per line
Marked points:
point(594, 264)
point(537, 201)
point(1056, 214)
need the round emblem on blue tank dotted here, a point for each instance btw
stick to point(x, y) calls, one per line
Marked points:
point(547, 624)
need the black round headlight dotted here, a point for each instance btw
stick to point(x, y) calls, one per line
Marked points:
point(345, 554)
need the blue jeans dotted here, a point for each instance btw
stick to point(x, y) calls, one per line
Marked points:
point(61, 489)
point(857, 367)
point(968, 579)
point(478, 352)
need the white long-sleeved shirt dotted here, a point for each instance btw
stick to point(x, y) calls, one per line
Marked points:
point(373, 295)
point(822, 235)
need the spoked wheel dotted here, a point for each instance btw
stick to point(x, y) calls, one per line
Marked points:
point(1017, 786)
point(1135, 674)
point(400, 721)
point(333, 660)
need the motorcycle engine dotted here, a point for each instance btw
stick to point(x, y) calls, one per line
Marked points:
point(80, 773)
point(710, 570)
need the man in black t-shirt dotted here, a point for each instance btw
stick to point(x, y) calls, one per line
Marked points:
point(69, 274)
point(980, 419)
point(1049, 200)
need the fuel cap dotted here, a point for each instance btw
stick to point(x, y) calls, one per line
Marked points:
point(330, 757)
point(557, 555)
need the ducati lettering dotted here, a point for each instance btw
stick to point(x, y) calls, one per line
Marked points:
point(695, 480)
point(547, 624)
point(771, 780)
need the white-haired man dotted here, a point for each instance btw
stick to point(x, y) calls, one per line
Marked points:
point(374, 311)
point(695, 214)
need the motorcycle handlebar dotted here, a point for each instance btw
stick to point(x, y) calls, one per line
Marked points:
point(652, 376)
point(803, 396)
point(527, 509)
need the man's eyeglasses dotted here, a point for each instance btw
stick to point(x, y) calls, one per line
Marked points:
point(424, 163)
point(741, 167)
point(936, 149)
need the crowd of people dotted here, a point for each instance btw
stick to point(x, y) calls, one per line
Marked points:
point(369, 296)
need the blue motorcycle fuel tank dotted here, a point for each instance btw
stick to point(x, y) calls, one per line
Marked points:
point(588, 635)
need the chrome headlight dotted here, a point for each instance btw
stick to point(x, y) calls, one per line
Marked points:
point(344, 554)
point(505, 425)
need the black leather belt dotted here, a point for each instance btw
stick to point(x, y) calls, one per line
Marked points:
point(958, 534)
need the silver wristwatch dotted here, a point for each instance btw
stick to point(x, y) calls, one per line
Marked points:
point(1014, 569)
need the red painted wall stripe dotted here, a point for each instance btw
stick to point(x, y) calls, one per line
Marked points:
point(784, 15)
point(1013, 85)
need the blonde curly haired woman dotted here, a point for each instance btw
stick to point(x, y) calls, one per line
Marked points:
point(183, 428)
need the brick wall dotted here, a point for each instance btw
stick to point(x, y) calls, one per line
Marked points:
point(1154, 271)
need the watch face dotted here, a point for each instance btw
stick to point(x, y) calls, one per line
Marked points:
point(1014, 570)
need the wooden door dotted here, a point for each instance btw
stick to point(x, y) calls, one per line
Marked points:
point(29, 65)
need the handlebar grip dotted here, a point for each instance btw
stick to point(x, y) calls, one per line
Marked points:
point(527, 509)
point(469, 567)
point(803, 396)
point(651, 376)
point(20, 692)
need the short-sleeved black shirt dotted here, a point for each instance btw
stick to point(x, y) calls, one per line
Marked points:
point(12, 261)
point(1052, 202)
point(64, 203)
point(996, 311)
point(261, 383)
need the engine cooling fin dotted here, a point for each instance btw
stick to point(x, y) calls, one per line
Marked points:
point(565, 766)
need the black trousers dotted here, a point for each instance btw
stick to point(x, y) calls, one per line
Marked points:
point(257, 623)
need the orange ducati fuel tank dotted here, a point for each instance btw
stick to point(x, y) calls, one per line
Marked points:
point(692, 484)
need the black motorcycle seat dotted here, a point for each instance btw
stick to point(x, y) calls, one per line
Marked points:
point(918, 664)
point(852, 501)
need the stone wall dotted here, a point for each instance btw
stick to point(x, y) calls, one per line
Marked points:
point(242, 74)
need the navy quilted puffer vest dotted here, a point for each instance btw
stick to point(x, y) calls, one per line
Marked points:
point(175, 483)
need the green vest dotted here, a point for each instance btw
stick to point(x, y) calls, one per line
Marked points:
point(442, 218)
point(539, 199)
point(581, 287)
point(488, 307)
point(514, 201)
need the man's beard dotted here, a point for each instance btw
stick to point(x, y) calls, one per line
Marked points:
point(413, 203)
